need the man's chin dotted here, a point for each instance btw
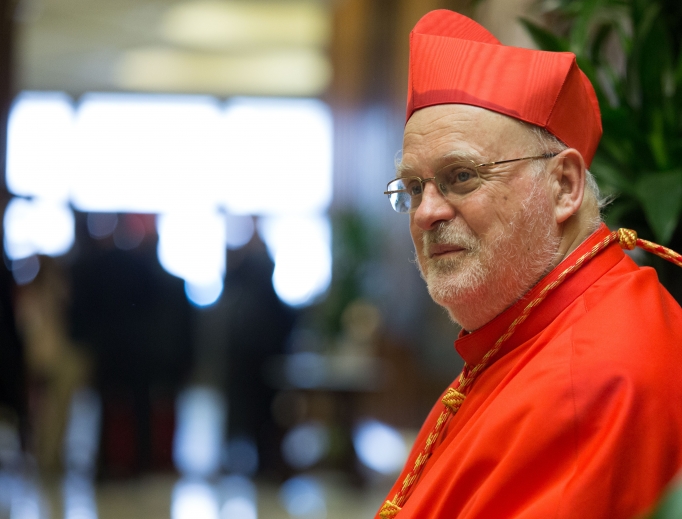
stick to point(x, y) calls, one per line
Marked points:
point(460, 309)
point(451, 291)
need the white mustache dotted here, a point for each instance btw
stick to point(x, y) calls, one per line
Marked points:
point(451, 233)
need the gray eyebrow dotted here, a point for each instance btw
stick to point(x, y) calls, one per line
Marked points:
point(403, 170)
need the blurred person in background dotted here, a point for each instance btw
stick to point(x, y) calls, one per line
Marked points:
point(13, 396)
point(56, 367)
point(569, 401)
point(135, 319)
point(257, 325)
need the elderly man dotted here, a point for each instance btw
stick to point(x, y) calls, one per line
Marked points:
point(570, 402)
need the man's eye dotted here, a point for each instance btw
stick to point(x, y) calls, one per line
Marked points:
point(463, 175)
point(458, 179)
point(458, 175)
point(413, 187)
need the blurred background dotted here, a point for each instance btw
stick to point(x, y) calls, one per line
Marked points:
point(209, 310)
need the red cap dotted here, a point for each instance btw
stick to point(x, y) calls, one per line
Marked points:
point(455, 60)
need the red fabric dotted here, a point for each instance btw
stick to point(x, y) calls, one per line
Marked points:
point(580, 414)
point(455, 60)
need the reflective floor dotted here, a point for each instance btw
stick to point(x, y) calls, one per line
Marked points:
point(206, 488)
point(321, 496)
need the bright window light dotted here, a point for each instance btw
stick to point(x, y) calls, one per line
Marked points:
point(301, 249)
point(204, 295)
point(146, 153)
point(279, 157)
point(37, 227)
point(27, 500)
point(199, 434)
point(25, 270)
point(305, 445)
point(379, 446)
point(192, 246)
point(202, 168)
point(39, 141)
point(238, 508)
point(194, 500)
point(303, 496)
point(81, 438)
point(78, 493)
point(239, 230)
point(239, 498)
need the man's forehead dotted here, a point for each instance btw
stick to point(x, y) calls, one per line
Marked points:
point(455, 131)
point(460, 118)
point(409, 167)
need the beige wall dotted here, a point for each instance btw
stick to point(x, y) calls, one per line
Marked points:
point(501, 18)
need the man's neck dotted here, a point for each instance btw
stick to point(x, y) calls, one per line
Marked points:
point(575, 231)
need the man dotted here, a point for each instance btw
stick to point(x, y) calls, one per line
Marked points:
point(570, 403)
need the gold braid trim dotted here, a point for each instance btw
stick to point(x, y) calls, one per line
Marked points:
point(454, 398)
point(627, 238)
point(389, 510)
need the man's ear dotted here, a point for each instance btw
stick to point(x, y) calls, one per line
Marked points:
point(568, 183)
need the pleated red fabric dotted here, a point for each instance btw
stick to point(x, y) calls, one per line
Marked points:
point(455, 60)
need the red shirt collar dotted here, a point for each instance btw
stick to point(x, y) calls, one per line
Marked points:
point(474, 345)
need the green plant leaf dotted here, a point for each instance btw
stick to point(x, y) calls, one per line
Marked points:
point(657, 141)
point(670, 507)
point(580, 31)
point(647, 23)
point(631, 50)
point(543, 38)
point(618, 210)
point(603, 33)
point(678, 70)
point(661, 198)
point(610, 176)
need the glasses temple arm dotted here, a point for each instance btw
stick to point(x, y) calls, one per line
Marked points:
point(543, 156)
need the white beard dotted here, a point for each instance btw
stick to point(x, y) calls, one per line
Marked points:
point(493, 272)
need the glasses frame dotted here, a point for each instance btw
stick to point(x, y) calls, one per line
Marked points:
point(422, 181)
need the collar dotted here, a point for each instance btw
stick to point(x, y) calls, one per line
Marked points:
point(472, 346)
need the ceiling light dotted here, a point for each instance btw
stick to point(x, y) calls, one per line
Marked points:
point(237, 24)
point(283, 72)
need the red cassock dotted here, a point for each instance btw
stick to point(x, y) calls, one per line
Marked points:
point(580, 413)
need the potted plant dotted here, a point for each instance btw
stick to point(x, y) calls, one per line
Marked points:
point(630, 50)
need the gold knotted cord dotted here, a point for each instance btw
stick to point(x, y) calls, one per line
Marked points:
point(453, 400)
point(455, 396)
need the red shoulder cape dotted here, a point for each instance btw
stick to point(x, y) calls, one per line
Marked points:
point(580, 414)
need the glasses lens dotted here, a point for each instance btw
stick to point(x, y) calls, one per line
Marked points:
point(458, 179)
point(404, 194)
point(400, 201)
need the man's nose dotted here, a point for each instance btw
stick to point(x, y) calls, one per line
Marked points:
point(433, 208)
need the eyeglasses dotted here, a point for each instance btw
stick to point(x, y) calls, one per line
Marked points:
point(454, 181)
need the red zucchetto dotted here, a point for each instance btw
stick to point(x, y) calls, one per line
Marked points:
point(455, 60)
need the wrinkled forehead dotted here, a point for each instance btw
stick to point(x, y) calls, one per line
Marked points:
point(471, 132)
